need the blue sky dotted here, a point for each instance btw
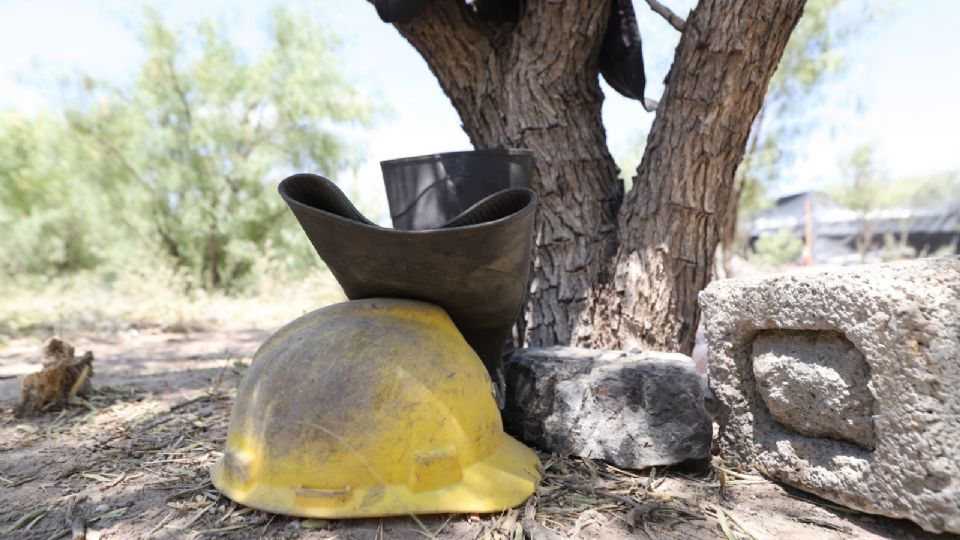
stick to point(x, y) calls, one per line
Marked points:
point(900, 92)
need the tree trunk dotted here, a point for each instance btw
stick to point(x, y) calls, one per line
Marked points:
point(670, 221)
point(609, 272)
point(535, 86)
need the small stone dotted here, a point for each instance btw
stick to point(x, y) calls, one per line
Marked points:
point(631, 410)
point(843, 383)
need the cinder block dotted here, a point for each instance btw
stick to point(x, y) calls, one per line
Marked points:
point(845, 383)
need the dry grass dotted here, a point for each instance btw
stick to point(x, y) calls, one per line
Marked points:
point(132, 461)
point(134, 464)
point(153, 298)
point(131, 439)
point(142, 461)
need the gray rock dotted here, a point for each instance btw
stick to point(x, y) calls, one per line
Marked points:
point(844, 383)
point(634, 410)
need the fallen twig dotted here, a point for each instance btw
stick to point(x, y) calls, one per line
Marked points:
point(741, 476)
point(638, 509)
point(27, 520)
point(825, 524)
point(725, 519)
point(160, 525)
point(224, 529)
point(722, 519)
point(21, 481)
point(534, 529)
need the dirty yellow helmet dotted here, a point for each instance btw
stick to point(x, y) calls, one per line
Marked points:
point(371, 408)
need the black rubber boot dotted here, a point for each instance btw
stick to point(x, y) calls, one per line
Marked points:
point(424, 192)
point(621, 54)
point(401, 11)
point(475, 266)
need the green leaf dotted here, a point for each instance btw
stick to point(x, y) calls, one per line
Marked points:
point(181, 163)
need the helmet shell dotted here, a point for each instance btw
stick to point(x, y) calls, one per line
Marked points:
point(371, 408)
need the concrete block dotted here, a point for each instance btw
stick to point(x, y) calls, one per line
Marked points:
point(845, 383)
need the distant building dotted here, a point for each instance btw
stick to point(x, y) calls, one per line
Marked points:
point(836, 228)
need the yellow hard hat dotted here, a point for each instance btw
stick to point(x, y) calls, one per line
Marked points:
point(371, 408)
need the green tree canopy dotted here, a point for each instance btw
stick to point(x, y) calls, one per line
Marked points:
point(186, 158)
point(813, 57)
point(52, 219)
point(867, 191)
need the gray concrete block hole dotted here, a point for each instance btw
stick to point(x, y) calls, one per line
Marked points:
point(815, 383)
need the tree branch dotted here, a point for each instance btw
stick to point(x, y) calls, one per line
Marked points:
point(178, 89)
point(118, 154)
point(675, 20)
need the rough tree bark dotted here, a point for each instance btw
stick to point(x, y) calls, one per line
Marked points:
point(611, 271)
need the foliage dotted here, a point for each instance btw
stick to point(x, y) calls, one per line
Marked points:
point(777, 250)
point(812, 58)
point(892, 249)
point(867, 192)
point(932, 191)
point(863, 193)
point(184, 160)
point(52, 219)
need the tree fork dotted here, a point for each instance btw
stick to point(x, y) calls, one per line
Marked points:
point(609, 271)
point(534, 85)
point(670, 221)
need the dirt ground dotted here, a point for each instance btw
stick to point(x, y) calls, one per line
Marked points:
point(133, 463)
